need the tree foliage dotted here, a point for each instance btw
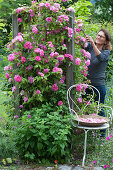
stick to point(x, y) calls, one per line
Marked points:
point(103, 10)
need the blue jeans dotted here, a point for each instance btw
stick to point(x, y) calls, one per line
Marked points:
point(102, 91)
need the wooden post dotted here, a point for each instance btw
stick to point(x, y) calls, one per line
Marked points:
point(14, 25)
point(71, 50)
point(70, 78)
point(15, 33)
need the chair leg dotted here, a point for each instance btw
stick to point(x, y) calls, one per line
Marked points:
point(85, 142)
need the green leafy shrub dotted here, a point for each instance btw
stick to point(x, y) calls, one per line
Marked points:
point(43, 138)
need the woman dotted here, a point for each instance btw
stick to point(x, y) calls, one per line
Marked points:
point(100, 52)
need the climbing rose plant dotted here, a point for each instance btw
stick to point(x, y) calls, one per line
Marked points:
point(39, 62)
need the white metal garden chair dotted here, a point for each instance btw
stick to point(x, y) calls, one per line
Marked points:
point(72, 104)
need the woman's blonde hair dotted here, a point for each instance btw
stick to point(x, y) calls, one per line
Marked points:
point(107, 45)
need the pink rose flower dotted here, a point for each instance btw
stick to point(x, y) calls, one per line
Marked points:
point(55, 69)
point(37, 50)
point(54, 87)
point(18, 63)
point(47, 5)
point(83, 39)
point(70, 9)
point(60, 58)
point(37, 58)
point(94, 162)
point(37, 92)
point(106, 166)
point(20, 38)
point(7, 75)
point(30, 79)
point(32, 14)
point(87, 62)
point(11, 57)
point(29, 116)
point(13, 88)
point(52, 54)
point(19, 10)
point(21, 106)
point(9, 80)
point(86, 53)
point(61, 81)
point(70, 32)
point(35, 30)
point(107, 138)
point(57, 5)
point(51, 45)
point(16, 116)
point(69, 56)
point(60, 103)
point(48, 19)
point(6, 68)
point(77, 61)
point(17, 78)
point(79, 22)
point(25, 99)
point(41, 74)
point(110, 135)
point(41, 5)
point(23, 59)
point(41, 53)
point(33, 2)
point(28, 45)
point(79, 87)
point(85, 74)
point(46, 70)
point(79, 100)
point(19, 19)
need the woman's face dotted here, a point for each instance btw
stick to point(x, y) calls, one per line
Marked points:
point(100, 38)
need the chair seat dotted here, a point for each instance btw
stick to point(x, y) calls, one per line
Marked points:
point(104, 126)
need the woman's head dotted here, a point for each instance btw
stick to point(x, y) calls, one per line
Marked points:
point(103, 37)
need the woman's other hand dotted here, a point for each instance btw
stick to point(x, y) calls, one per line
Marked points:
point(89, 39)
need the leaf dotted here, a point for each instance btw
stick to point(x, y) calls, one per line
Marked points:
point(39, 146)
point(9, 160)
point(32, 143)
point(26, 145)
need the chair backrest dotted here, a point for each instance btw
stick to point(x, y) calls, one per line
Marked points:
point(78, 87)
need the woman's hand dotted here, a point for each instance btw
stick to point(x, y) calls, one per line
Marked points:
point(96, 50)
point(89, 39)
